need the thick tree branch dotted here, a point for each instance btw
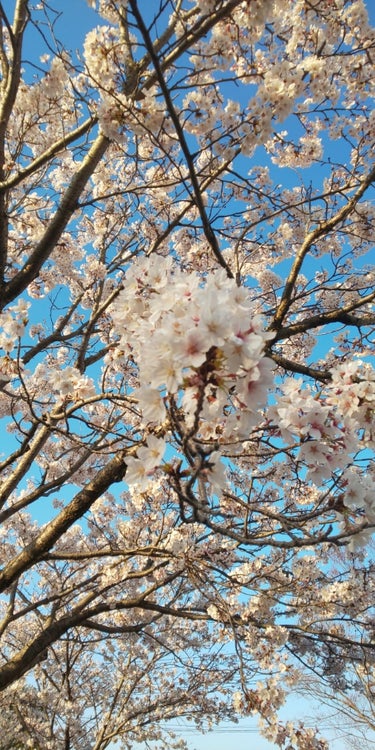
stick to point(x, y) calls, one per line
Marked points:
point(8, 92)
point(64, 212)
point(322, 376)
point(46, 157)
point(313, 236)
point(339, 315)
point(113, 472)
point(32, 653)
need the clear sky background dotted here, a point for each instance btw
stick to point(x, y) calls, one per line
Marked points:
point(245, 735)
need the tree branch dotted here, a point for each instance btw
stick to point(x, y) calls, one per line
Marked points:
point(113, 472)
point(312, 236)
point(207, 228)
point(60, 220)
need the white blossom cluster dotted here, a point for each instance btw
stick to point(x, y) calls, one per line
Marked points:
point(13, 322)
point(196, 343)
point(332, 426)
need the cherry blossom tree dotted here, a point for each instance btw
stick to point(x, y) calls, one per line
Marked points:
point(91, 688)
point(347, 708)
point(343, 698)
point(186, 385)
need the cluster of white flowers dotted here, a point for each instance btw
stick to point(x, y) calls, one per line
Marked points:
point(196, 342)
point(148, 458)
point(282, 91)
point(324, 443)
point(352, 392)
point(332, 426)
point(13, 322)
point(72, 383)
point(66, 382)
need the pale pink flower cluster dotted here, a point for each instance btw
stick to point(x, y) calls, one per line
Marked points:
point(281, 91)
point(303, 738)
point(269, 280)
point(13, 322)
point(359, 491)
point(101, 48)
point(266, 700)
point(67, 382)
point(352, 392)
point(141, 468)
point(323, 442)
point(302, 153)
point(331, 427)
point(196, 342)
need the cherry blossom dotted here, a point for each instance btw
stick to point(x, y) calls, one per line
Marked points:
point(186, 364)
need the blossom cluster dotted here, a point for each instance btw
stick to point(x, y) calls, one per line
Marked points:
point(198, 346)
point(13, 322)
point(65, 382)
point(149, 457)
point(352, 391)
point(332, 426)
